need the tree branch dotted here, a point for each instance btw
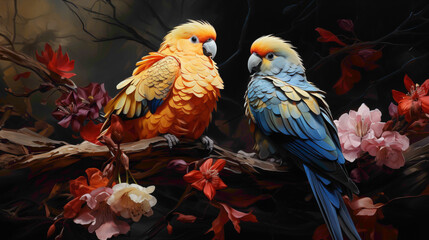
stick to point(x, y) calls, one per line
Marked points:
point(143, 154)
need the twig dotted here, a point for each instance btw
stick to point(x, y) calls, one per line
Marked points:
point(15, 3)
point(8, 91)
point(111, 20)
point(8, 40)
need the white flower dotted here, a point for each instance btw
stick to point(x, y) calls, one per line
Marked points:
point(132, 200)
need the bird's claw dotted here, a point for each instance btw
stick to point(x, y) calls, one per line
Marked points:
point(208, 142)
point(171, 140)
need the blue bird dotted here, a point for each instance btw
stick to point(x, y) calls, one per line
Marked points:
point(290, 118)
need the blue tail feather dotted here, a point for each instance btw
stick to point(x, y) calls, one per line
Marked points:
point(333, 209)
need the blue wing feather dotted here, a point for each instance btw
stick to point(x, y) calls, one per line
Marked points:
point(154, 104)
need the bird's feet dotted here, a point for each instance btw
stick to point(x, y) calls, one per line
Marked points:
point(208, 142)
point(171, 140)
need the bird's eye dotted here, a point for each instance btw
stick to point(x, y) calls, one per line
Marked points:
point(270, 56)
point(194, 39)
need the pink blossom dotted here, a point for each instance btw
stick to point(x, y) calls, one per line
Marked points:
point(100, 217)
point(357, 126)
point(387, 149)
point(393, 110)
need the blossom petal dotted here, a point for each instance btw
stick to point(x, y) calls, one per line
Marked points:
point(193, 176)
point(209, 190)
point(218, 165)
point(398, 96)
point(408, 83)
point(206, 165)
point(200, 184)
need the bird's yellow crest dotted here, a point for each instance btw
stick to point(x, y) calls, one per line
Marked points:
point(201, 29)
point(269, 43)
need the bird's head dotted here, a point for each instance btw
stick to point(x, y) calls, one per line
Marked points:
point(270, 54)
point(194, 36)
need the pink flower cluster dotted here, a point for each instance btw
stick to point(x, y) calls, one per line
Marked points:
point(362, 131)
point(97, 206)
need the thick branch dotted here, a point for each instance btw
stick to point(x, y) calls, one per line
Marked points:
point(143, 154)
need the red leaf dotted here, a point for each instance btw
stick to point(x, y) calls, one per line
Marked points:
point(227, 213)
point(21, 75)
point(51, 230)
point(169, 228)
point(348, 77)
point(185, 218)
point(327, 36)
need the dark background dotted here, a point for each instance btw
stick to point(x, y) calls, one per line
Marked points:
point(106, 53)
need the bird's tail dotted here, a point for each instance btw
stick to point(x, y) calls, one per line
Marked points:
point(332, 206)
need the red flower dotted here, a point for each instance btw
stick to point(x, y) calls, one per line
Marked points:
point(81, 186)
point(327, 36)
point(56, 62)
point(415, 104)
point(365, 215)
point(207, 178)
point(228, 213)
point(363, 58)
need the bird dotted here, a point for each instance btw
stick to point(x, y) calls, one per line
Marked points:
point(172, 92)
point(289, 118)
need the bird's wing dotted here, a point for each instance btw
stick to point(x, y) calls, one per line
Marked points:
point(146, 89)
point(298, 122)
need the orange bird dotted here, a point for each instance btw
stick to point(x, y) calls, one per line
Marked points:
point(172, 92)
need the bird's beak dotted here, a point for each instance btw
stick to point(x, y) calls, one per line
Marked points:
point(254, 63)
point(210, 48)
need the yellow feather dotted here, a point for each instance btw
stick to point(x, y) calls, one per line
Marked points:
point(124, 83)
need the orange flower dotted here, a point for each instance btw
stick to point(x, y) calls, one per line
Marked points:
point(414, 104)
point(81, 186)
point(228, 213)
point(207, 178)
